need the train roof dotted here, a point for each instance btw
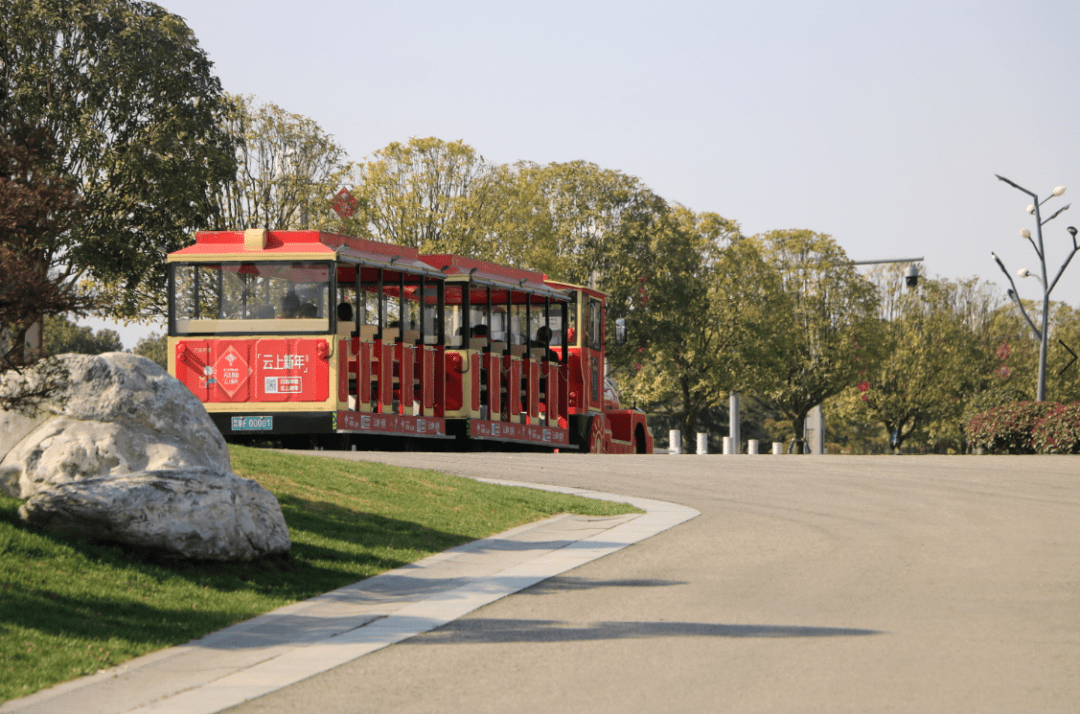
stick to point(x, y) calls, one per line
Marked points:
point(264, 245)
point(260, 244)
point(482, 272)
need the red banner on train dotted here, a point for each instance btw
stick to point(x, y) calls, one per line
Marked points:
point(525, 433)
point(277, 370)
point(401, 424)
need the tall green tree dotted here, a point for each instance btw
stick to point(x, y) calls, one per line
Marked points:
point(287, 170)
point(575, 221)
point(1019, 371)
point(579, 222)
point(823, 327)
point(929, 360)
point(428, 193)
point(124, 91)
point(700, 301)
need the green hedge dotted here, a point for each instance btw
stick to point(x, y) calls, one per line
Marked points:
point(1027, 428)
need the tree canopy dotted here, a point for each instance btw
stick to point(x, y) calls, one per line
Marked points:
point(928, 358)
point(288, 169)
point(125, 93)
point(824, 325)
point(428, 193)
point(698, 302)
point(63, 336)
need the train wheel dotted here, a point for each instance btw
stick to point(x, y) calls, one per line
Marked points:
point(596, 435)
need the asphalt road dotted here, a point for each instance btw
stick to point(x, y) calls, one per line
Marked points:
point(808, 584)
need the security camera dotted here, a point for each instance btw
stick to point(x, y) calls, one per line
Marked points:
point(911, 276)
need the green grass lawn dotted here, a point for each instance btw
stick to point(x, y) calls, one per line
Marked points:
point(69, 607)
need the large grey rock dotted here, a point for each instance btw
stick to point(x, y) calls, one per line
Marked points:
point(125, 452)
point(197, 514)
point(14, 427)
point(119, 413)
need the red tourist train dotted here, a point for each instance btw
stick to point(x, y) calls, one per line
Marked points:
point(316, 339)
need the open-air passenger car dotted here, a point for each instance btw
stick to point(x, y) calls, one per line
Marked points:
point(311, 338)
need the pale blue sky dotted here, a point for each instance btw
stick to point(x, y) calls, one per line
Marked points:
point(881, 124)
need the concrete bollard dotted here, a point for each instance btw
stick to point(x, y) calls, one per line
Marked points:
point(752, 447)
point(734, 424)
point(675, 441)
point(727, 446)
point(777, 448)
point(702, 443)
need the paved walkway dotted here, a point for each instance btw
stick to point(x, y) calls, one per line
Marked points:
point(293, 643)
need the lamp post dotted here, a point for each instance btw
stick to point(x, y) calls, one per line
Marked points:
point(1041, 332)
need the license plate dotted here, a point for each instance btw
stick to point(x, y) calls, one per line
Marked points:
point(252, 423)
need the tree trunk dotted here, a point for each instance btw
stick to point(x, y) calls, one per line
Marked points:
point(798, 422)
point(689, 420)
point(900, 436)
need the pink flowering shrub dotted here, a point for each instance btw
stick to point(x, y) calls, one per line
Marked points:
point(1009, 429)
point(1060, 432)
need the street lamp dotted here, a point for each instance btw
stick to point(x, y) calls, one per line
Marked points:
point(1042, 333)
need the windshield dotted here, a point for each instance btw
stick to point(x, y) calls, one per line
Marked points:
point(260, 298)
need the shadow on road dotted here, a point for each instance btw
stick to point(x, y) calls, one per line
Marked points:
point(562, 584)
point(499, 631)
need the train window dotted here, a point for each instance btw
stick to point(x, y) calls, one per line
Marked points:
point(410, 314)
point(517, 325)
point(455, 327)
point(230, 298)
point(536, 321)
point(429, 312)
point(498, 324)
point(366, 307)
point(571, 324)
point(346, 308)
point(596, 321)
point(196, 291)
point(479, 322)
point(391, 311)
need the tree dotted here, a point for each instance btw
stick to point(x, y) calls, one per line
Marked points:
point(579, 223)
point(63, 336)
point(822, 329)
point(574, 221)
point(699, 301)
point(125, 92)
point(156, 348)
point(929, 359)
point(37, 208)
point(288, 170)
point(428, 194)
